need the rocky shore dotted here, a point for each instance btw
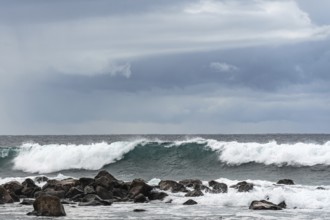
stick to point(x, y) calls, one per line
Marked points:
point(104, 189)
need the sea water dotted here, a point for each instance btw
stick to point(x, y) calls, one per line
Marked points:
point(259, 159)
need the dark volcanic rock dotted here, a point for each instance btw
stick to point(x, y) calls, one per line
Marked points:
point(140, 198)
point(93, 200)
point(218, 187)
point(263, 205)
point(190, 182)
point(285, 182)
point(103, 193)
point(320, 188)
point(120, 193)
point(243, 186)
point(40, 179)
point(29, 188)
point(282, 205)
point(13, 187)
point(138, 186)
point(105, 174)
point(190, 202)
point(73, 191)
point(172, 185)
point(139, 210)
point(57, 185)
point(48, 206)
point(5, 196)
point(86, 181)
point(51, 192)
point(194, 193)
point(154, 195)
point(89, 190)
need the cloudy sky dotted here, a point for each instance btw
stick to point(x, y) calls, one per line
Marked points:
point(156, 66)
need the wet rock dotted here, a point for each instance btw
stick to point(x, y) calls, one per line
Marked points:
point(105, 182)
point(121, 193)
point(190, 182)
point(105, 174)
point(29, 188)
point(86, 181)
point(73, 191)
point(103, 193)
point(172, 185)
point(57, 185)
point(14, 196)
point(190, 202)
point(263, 205)
point(282, 205)
point(194, 193)
point(93, 200)
point(139, 210)
point(67, 202)
point(27, 202)
point(48, 206)
point(40, 179)
point(51, 192)
point(138, 186)
point(13, 187)
point(5, 196)
point(140, 198)
point(218, 187)
point(243, 186)
point(285, 182)
point(89, 190)
point(154, 195)
point(320, 188)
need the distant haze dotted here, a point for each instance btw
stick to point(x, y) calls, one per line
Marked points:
point(154, 66)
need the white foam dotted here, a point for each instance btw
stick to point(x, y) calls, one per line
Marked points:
point(37, 158)
point(297, 154)
point(21, 179)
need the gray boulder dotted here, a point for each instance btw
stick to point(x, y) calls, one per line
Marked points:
point(48, 206)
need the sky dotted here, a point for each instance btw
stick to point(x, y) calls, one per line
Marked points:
point(164, 67)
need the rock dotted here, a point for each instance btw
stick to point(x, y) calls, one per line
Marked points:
point(190, 182)
point(140, 198)
point(103, 193)
point(121, 193)
point(67, 202)
point(57, 185)
point(89, 190)
point(48, 206)
point(139, 210)
point(29, 188)
point(194, 193)
point(218, 187)
point(13, 187)
point(105, 174)
point(172, 185)
point(320, 188)
point(27, 202)
point(14, 196)
point(105, 182)
point(40, 179)
point(190, 202)
point(168, 200)
point(285, 182)
point(51, 192)
point(154, 195)
point(86, 181)
point(93, 200)
point(77, 198)
point(73, 191)
point(5, 196)
point(263, 205)
point(138, 186)
point(282, 205)
point(243, 186)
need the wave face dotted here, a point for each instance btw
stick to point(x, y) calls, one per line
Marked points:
point(193, 153)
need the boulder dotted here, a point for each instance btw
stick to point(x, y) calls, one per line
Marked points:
point(190, 202)
point(40, 179)
point(105, 182)
point(172, 185)
point(285, 182)
point(5, 196)
point(13, 187)
point(86, 181)
point(243, 186)
point(27, 202)
point(154, 195)
point(105, 174)
point(120, 193)
point(320, 188)
point(93, 200)
point(190, 182)
point(218, 187)
point(73, 191)
point(48, 206)
point(58, 193)
point(140, 198)
point(282, 205)
point(65, 184)
point(263, 205)
point(89, 190)
point(103, 193)
point(194, 193)
point(29, 188)
point(138, 186)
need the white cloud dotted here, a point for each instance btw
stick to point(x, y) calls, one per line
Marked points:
point(223, 67)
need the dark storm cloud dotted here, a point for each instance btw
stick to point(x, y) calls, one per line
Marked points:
point(164, 66)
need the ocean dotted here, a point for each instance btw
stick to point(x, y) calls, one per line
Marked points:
point(260, 159)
